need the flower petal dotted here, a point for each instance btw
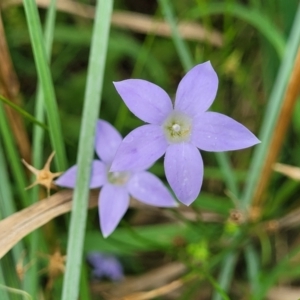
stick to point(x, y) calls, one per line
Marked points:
point(146, 100)
point(197, 90)
point(148, 188)
point(68, 178)
point(184, 171)
point(98, 176)
point(114, 202)
point(216, 132)
point(140, 149)
point(107, 141)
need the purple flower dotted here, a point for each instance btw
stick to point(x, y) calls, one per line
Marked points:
point(105, 265)
point(117, 186)
point(178, 129)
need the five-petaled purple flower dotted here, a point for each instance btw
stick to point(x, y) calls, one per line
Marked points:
point(117, 186)
point(105, 265)
point(178, 130)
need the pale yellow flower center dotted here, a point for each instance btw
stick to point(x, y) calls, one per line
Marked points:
point(118, 178)
point(177, 127)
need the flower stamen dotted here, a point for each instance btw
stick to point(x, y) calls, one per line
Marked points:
point(176, 127)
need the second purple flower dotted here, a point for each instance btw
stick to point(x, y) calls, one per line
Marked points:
point(117, 186)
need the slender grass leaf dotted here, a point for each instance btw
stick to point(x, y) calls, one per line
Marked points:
point(45, 80)
point(92, 101)
point(24, 113)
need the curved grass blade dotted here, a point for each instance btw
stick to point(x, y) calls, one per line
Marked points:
point(24, 295)
point(23, 112)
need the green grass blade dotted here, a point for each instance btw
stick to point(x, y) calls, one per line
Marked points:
point(217, 287)
point(182, 49)
point(84, 282)
point(31, 280)
point(13, 157)
point(45, 79)
point(228, 175)
point(7, 204)
point(252, 262)
point(7, 208)
point(14, 291)
point(92, 103)
point(15, 165)
point(3, 292)
point(24, 113)
point(272, 111)
point(6, 199)
point(187, 63)
point(226, 274)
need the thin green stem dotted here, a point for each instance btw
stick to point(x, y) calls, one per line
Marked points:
point(24, 113)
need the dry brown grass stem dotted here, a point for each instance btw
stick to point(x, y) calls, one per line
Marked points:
point(133, 21)
point(283, 293)
point(9, 88)
point(290, 171)
point(161, 291)
point(290, 220)
point(18, 225)
point(279, 132)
